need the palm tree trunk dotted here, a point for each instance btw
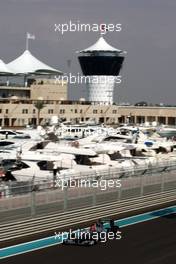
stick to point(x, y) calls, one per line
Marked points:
point(38, 117)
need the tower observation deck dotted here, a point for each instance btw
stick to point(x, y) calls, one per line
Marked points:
point(101, 63)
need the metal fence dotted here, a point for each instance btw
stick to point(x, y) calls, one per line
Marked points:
point(16, 188)
point(61, 199)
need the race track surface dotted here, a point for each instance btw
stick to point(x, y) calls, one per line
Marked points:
point(145, 243)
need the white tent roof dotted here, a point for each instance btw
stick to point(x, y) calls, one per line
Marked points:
point(101, 45)
point(4, 70)
point(28, 64)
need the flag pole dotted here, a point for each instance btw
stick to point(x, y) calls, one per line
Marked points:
point(27, 44)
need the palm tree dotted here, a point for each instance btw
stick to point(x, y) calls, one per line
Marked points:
point(39, 105)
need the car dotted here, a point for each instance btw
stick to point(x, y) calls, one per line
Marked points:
point(92, 235)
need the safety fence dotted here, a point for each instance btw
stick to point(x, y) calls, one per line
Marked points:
point(38, 184)
point(108, 188)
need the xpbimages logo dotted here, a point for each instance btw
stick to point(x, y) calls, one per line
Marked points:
point(83, 235)
point(87, 183)
point(82, 27)
point(82, 79)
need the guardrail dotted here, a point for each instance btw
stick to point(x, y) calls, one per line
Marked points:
point(57, 200)
point(11, 189)
point(57, 221)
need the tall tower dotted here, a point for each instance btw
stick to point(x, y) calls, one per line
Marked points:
point(101, 64)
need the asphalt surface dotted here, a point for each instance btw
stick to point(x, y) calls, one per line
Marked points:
point(145, 243)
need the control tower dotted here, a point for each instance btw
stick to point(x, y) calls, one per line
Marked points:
point(101, 64)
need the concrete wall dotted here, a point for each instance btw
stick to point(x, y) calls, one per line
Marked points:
point(49, 89)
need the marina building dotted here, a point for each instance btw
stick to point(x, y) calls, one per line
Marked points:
point(21, 112)
point(46, 89)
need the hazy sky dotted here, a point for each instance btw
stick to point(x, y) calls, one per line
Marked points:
point(148, 35)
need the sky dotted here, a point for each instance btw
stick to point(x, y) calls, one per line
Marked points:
point(148, 35)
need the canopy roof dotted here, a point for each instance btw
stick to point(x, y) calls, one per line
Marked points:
point(101, 45)
point(4, 70)
point(28, 64)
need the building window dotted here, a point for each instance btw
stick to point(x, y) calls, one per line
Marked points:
point(6, 111)
point(114, 111)
point(81, 111)
point(62, 111)
point(50, 111)
point(101, 111)
point(34, 111)
point(94, 111)
point(76, 111)
point(25, 111)
point(0, 111)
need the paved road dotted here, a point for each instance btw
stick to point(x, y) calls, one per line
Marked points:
point(152, 242)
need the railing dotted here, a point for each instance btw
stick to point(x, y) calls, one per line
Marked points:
point(11, 189)
point(37, 184)
point(60, 200)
